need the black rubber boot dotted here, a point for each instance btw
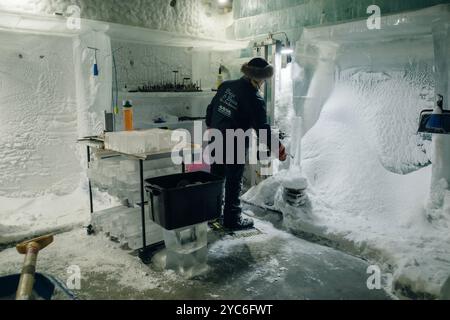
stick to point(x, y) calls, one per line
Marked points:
point(240, 223)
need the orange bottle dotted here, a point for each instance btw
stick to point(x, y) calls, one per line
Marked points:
point(128, 115)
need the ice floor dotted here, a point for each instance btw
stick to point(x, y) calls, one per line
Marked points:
point(273, 265)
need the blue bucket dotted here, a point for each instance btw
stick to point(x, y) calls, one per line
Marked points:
point(435, 122)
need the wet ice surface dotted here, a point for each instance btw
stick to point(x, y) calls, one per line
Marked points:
point(273, 265)
point(288, 269)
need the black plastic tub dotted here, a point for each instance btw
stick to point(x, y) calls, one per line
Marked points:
point(182, 200)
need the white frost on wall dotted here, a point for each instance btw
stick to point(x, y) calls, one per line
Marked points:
point(387, 105)
point(38, 116)
point(284, 111)
point(206, 66)
point(187, 17)
point(48, 99)
point(93, 92)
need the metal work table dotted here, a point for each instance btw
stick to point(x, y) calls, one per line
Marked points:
point(98, 143)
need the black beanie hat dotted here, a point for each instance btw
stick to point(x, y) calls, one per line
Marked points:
point(258, 69)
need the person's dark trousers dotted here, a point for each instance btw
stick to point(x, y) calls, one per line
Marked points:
point(233, 174)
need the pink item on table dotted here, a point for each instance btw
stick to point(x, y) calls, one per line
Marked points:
point(198, 167)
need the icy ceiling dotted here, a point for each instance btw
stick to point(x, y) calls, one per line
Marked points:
point(192, 17)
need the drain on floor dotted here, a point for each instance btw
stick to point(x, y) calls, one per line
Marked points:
point(246, 233)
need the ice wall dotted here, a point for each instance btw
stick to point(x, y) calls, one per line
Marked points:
point(338, 9)
point(284, 112)
point(140, 63)
point(313, 80)
point(93, 92)
point(441, 155)
point(38, 112)
point(188, 16)
point(205, 66)
point(258, 17)
point(49, 98)
point(360, 94)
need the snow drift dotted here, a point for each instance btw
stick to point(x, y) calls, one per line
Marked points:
point(355, 197)
point(368, 170)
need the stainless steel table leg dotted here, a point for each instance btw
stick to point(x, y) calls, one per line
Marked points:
point(141, 171)
point(91, 201)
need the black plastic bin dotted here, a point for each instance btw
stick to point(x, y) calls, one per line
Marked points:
point(182, 200)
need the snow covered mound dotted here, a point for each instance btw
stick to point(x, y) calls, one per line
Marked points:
point(23, 218)
point(353, 158)
point(384, 108)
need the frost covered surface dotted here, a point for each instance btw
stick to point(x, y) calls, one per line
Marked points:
point(352, 159)
point(22, 218)
point(259, 17)
point(187, 17)
point(283, 100)
point(271, 265)
point(44, 110)
point(38, 114)
point(90, 254)
point(385, 107)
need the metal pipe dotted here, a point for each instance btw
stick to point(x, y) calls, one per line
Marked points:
point(91, 200)
point(141, 173)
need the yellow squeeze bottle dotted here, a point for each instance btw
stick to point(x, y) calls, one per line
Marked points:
point(128, 115)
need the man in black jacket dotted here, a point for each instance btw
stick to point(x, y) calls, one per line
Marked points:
point(239, 105)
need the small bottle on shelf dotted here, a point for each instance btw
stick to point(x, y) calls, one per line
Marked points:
point(128, 115)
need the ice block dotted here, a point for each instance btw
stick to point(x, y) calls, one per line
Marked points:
point(125, 224)
point(140, 142)
point(187, 250)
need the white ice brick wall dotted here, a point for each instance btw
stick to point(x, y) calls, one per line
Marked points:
point(290, 19)
point(38, 115)
point(247, 8)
